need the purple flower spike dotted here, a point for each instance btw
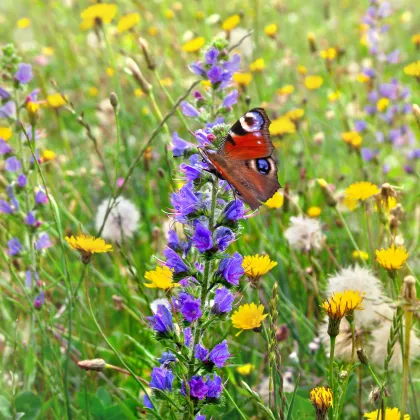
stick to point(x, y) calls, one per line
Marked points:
point(161, 321)
point(39, 300)
point(4, 94)
point(162, 379)
point(191, 173)
point(230, 99)
point(21, 181)
point(188, 110)
point(146, 402)
point(200, 417)
point(4, 147)
point(220, 354)
point(166, 359)
point(185, 201)
point(215, 74)
point(187, 336)
point(43, 242)
point(8, 110)
point(30, 219)
point(214, 386)
point(12, 164)
point(223, 237)
point(198, 69)
point(360, 126)
point(211, 55)
point(202, 238)
point(6, 207)
point(15, 247)
point(198, 388)
point(200, 352)
point(179, 146)
point(174, 261)
point(41, 197)
point(223, 300)
point(24, 73)
point(190, 308)
point(231, 269)
point(393, 57)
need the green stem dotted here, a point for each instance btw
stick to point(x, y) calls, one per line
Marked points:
point(332, 349)
point(406, 358)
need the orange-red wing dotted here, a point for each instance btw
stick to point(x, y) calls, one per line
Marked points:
point(248, 146)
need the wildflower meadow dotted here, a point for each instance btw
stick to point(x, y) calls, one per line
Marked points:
point(209, 210)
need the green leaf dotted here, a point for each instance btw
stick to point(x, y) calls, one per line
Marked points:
point(5, 408)
point(104, 396)
point(113, 412)
point(302, 408)
point(28, 404)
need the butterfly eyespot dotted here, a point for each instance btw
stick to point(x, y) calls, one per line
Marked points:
point(263, 166)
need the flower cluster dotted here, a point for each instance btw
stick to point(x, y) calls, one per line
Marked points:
point(198, 274)
point(24, 199)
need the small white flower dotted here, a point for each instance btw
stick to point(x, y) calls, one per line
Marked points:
point(162, 301)
point(304, 233)
point(121, 222)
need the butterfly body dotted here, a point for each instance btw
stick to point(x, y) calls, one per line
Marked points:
point(244, 159)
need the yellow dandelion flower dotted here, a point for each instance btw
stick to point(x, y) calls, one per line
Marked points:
point(314, 211)
point(194, 44)
point(341, 304)
point(257, 265)
point(48, 51)
point(360, 255)
point(352, 138)
point(169, 14)
point(334, 96)
point(56, 100)
point(128, 22)
point(33, 109)
point(390, 414)
point(245, 369)
point(88, 245)
point(322, 399)
point(276, 201)
point(199, 15)
point(295, 114)
point(152, 31)
point(110, 71)
point(392, 258)
point(248, 317)
point(23, 23)
point(301, 69)
point(328, 54)
point(313, 82)
point(161, 278)
point(242, 79)
point(145, 110)
point(5, 133)
point(48, 155)
point(138, 92)
point(286, 90)
point(281, 126)
point(361, 190)
point(167, 82)
point(415, 39)
point(413, 69)
point(311, 36)
point(206, 84)
point(271, 30)
point(231, 22)
point(363, 78)
point(350, 203)
point(382, 104)
point(102, 12)
point(258, 65)
point(93, 91)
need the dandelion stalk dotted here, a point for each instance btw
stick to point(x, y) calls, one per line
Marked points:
point(331, 365)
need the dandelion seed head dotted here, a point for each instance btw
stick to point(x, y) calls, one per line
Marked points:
point(304, 234)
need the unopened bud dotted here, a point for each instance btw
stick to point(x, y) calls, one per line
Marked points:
point(97, 365)
point(361, 354)
point(135, 71)
point(376, 394)
point(114, 100)
point(151, 65)
point(327, 193)
point(409, 292)
point(282, 333)
point(312, 42)
point(343, 374)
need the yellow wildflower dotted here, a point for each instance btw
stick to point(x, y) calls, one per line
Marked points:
point(23, 23)
point(87, 246)
point(276, 201)
point(245, 369)
point(390, 414)
point(258, 65)
point(231, 22)
point(194, 44)
point(413, 69)
point(328, 54)
point(392, 258)
point(128, 22)
point(93, 91)
point(301, 69)
point(286, 90)
point(110, 71)
point(153, 31)
point(382, 104)
point(271, 30)
point(363, 78)
point(248, 317)
point(33, 109)
point(5, 133)
point(360, 255)
point(48, 155)
point(333, 96)
point(199, 15)
point(314, 211)
point(242, 79)
point(161, 278)
point(167, 82)
point(257, 265)
point(313, 82)
point(56, 100)
point(353, 138)
point(415, 39)
point(361, 190)
point(48, 51)
point(281, 126)
point(295, 114)
point(350, 203)
point(145, 110)
point(322, 399)
point(138, 92)
point(101, 12)
point(169, 14)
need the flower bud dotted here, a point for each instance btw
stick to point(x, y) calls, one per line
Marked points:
point(135, 71)
point(312, 42)
point(114, 100)
point(97, 365)
point(361, 354)
point(409, 292)
point(151, 65)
